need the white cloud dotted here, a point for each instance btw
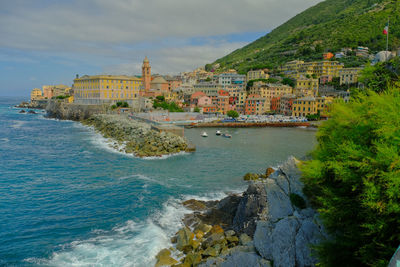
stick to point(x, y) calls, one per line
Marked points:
point(116, 35)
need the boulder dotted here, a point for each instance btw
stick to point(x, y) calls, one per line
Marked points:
point(184, 238)
point(279, 205)
point(244, 239)
point(216, 229)
point(277, 242)
point(250, 176)
point(252, 207)
point(269, 171)
point(195, 205)
point(164, 258)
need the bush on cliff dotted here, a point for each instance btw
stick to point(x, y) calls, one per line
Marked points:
point(354, 180)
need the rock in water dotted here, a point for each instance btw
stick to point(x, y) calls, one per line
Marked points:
point(184, 238)
point(164, 258)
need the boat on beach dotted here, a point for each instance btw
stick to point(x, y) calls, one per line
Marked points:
point(204, 134)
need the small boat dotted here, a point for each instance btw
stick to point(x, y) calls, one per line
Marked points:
point(204, 134)
point(218, 132)
point(227, 135)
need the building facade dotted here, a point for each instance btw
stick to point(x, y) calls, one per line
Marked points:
point(349, 75)
point(36, 94)
point(256, 74)
point(106, 89)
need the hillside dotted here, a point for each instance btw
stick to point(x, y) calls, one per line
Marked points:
point(327, 26)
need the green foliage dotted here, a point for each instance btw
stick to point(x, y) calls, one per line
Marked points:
point(288, 81)
point(208, 67)
point(233, 114)
point(160, 98)
point(160, 102)
point(208, 79)
point(122, 104)
point(313, 117)
point(196, 109)
point(61, 97)
point(297, 201)
point(354, 180)
point(113, 107)
point(381, 76)
point(330, 25)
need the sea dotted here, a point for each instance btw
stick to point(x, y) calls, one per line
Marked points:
point(68, 199)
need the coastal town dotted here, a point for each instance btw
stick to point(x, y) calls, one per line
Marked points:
point(297, 90)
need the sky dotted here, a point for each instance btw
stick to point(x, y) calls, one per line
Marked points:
point(50, 41)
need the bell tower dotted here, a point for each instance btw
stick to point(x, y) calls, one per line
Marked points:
point(146, 74)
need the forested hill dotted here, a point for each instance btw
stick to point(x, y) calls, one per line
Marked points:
point(327, 26)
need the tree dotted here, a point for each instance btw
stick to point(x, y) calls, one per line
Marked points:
point(353, 180)
point(160, 98)
point(196, 109)
point(233, 114)
point(288, 81)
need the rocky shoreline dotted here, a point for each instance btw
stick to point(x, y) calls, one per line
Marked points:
point(136, 138)
point(270, 224)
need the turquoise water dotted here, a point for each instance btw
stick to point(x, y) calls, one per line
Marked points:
point(66, 198)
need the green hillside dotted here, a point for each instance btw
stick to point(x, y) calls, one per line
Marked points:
point(327, 26)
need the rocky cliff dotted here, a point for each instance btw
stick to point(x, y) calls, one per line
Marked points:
point(68, 111)
point(271, 223)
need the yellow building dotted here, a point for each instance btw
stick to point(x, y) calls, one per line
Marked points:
point(349, 75)
point(294, 69)
point(102, 89)
point(269, 91)
point(306, 86)
point(36, 94)
point(311, 105)
point(256, 74)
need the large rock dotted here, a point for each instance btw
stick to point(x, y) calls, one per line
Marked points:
point(184, 238)
point(309, 234)
point(252, 207)
point(277, 242)
point(237, 258)
point(278, 202)
point(164, 258)
point(293, 175)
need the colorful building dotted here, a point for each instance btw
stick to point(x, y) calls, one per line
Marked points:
point(100, 89)
point(306, 86)
point(256, 74)
point(255, 105)
point(227, 79)
point(36, 94)
point(349, 75)
point(328, 55)
point(295, 69)
point(50, 91)
point(311, 105)
point(286, 104)
point(268, 91)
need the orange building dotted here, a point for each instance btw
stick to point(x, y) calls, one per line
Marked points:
point(328, 55)
point(275, 103)
point(255, 105)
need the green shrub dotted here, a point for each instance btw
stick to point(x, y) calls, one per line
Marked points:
point(233, 114)
point(354, 180)
point(297, 201)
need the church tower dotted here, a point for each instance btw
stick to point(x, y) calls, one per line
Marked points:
point(146, 74)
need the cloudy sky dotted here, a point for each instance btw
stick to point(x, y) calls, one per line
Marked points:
point(49, 41)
